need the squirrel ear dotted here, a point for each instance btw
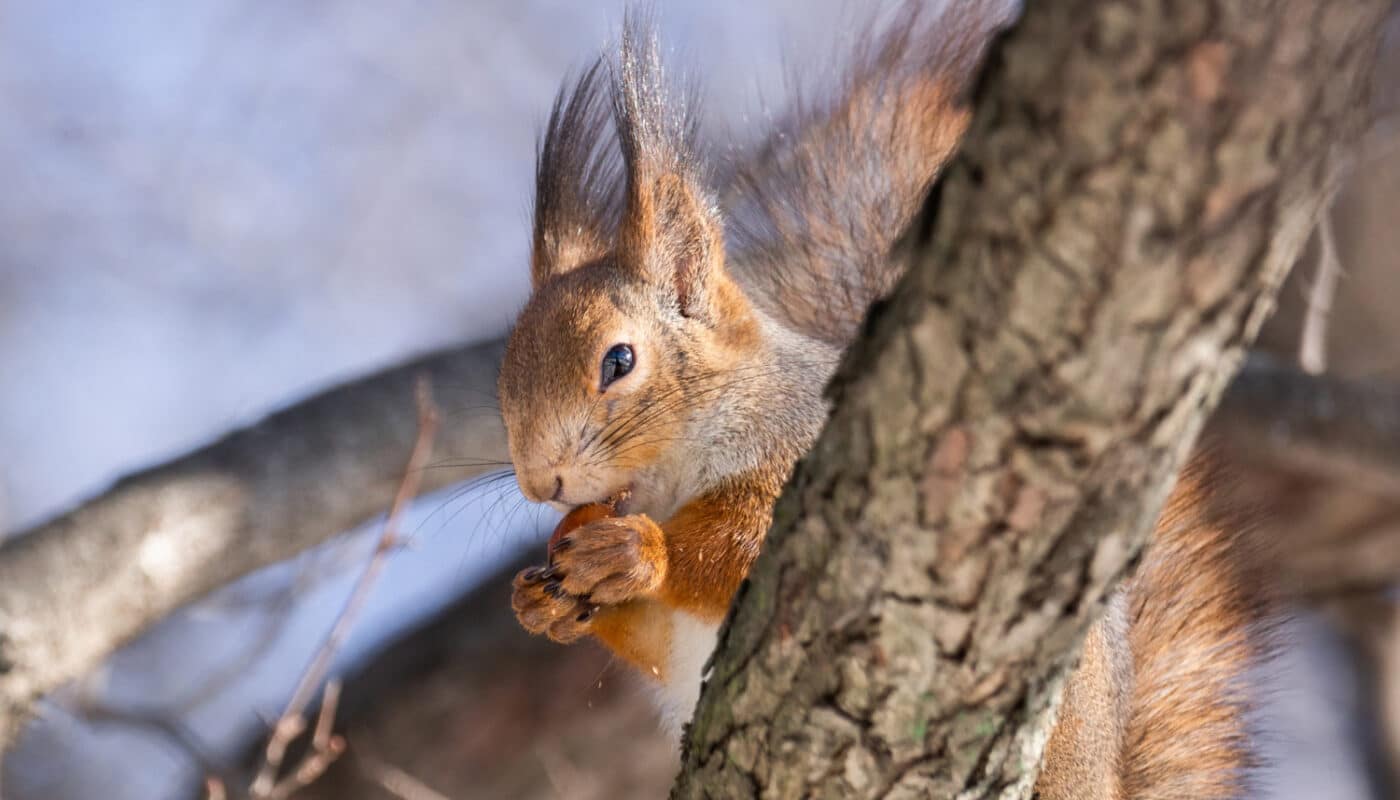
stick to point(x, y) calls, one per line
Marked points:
point(578, 180)
point(672, 236)
point(670, 232)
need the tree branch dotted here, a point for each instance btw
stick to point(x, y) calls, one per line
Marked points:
point(1332, 427)
point(74, 589)
point(1134, 187)
point(292, 722)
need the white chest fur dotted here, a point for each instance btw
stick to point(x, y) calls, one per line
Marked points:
point(692, 641)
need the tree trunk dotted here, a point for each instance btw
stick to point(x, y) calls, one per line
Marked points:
point(1138, 179)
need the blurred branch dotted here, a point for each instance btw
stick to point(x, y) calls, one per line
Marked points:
point(77, 587)
point(1312, 350)
point(1325, 563)
point(290, 725)
point(166, 726)
point(1331, 427)
point(1371, 623)
point(396, 781)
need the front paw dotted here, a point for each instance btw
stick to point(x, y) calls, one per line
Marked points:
point(611, 560)
point(542, 606)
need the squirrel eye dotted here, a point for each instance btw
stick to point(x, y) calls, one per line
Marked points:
point(616, 363)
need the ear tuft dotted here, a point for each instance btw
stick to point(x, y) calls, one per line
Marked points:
point(578, 180)
point(670, 234)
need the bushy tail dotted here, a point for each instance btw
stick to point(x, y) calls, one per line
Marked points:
point(1199, 624)
point(814, 210)
point(1160, 706)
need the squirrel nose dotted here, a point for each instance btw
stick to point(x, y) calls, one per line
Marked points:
point(541, 486)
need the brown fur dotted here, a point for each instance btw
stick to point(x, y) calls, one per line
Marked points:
point(817, 206)
point(1199, 616)
point(1157, 708)
point(732, 351)
point(1084, 757)
point(692, 432)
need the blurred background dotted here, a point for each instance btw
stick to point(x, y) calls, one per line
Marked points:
point(212, 209)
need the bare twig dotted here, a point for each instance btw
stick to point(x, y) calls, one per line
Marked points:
point(325, 747)
point(396, 781)
point(1312, 349)
point(74, 589)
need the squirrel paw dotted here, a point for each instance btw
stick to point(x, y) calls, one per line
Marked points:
point(542, 606)
point(611, 560)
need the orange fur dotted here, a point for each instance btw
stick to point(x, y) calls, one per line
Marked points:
point(639, 632)
point(1157, 708)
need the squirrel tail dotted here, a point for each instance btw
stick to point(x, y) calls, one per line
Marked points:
point(1160, 707)
point(814, 210)
point(1201, 620)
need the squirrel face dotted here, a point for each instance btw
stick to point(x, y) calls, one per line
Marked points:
point(609, 380)
point(622, 357)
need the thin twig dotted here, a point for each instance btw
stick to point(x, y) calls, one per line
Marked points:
point(263, 493)
point(1312, 349)
point(325, 724)
point(325, 747)
point(394, 780)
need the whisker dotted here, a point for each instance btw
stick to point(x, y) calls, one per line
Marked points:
point(647, 413)
point(479, 482)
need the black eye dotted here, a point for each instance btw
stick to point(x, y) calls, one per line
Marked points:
point(616, 363)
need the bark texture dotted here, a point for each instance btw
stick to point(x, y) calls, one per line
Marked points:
point(74, 589)
point(1137, 181)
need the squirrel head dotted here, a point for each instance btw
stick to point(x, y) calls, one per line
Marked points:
point(618, 363)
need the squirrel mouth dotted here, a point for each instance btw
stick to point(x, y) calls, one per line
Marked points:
point(620, 500)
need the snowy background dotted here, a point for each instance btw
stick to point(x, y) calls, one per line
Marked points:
point(212, 208)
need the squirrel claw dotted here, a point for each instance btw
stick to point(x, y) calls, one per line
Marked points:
point(612, 560)
point(542, 606)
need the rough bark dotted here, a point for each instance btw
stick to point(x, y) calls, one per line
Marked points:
point(74, 589)
point(1138, 179)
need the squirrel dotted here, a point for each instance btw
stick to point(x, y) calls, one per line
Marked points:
point(671, 361)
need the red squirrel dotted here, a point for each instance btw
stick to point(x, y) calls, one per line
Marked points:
point(671, 359)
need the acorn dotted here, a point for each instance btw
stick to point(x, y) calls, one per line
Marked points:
point(578, 518)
